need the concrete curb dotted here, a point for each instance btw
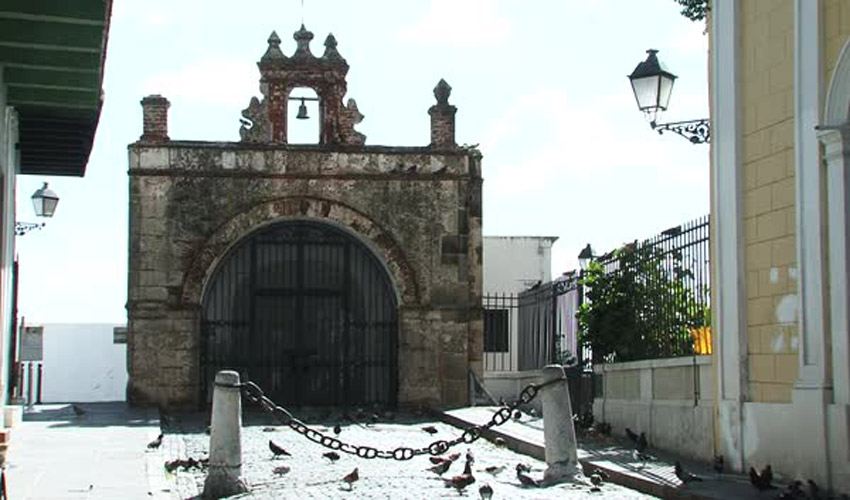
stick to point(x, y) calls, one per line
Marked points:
point(537, 451)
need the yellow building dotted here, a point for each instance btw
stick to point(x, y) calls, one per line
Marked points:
point(780, 112)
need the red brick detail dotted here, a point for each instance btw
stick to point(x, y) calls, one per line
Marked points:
point(154, 119)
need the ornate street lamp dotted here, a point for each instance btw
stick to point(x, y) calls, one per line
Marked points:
point(652, 85)
point(584, 257)
point(44, 202)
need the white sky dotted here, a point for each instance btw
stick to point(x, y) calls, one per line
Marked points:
point(541, 86)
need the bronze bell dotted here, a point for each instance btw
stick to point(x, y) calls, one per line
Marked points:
point(302, 111)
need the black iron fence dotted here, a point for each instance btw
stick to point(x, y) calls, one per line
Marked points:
point(650, 299)
point(529, 330)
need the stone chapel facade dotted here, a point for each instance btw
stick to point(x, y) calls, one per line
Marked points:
point(330, 274)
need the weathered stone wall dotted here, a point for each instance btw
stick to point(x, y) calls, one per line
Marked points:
point(419, 210)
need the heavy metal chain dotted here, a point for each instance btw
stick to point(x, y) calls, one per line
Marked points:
point(255, 395)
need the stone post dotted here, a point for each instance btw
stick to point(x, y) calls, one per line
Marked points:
point(442, 118)
point(559, 434)
point(155, 119)
point(225, 469)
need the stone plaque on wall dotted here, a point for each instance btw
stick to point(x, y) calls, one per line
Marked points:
point(32, 343)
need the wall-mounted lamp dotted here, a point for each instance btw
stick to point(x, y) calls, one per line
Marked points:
point(652, 85)
point(44, 202)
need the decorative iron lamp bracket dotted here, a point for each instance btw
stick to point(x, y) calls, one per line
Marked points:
point(22, 228)
point(696, 131)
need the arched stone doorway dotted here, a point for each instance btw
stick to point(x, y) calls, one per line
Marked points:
point(308, 312)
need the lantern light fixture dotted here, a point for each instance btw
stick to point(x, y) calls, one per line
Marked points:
point(652, 85)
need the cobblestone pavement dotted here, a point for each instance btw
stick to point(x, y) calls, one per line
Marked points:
point(313, 476)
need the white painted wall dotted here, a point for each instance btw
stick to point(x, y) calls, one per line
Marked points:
point(514, 263)
point(8, 168)
point(82, 364)
point(656, 396)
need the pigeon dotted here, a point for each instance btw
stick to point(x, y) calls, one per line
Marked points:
point(277, 450)
point(351, 478)
point(718, 464)
point(762, 481)
point(523, 468)
point(794, 491)
point(494, 469)
point(78, 410)
point(156, 442)
point(430, 429)
point(337, 429)
point(641, 445)
point(525, 480)
point(360, 414)
point(631, 435)
point(595, 479)
point(332, 456)
point(441, 468)
point(281, 470)
point(814, 490)
point(470, 459)
point(517, 415)
point(462, 481)
point(685, 476)
point(439, 460)
point(499, 442)
point(601, 473)
point(485, 491)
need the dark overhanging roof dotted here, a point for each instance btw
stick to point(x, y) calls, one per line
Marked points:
point(52, 54)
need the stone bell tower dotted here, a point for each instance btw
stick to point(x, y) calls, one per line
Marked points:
point(331, 274)
point(266, 119)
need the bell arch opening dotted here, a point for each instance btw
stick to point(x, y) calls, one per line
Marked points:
point(308, 312)
point(304, 116)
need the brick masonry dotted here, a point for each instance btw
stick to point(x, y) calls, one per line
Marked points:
point(417, 208)
point(767, 67)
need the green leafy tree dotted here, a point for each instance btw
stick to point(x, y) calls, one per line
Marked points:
point(643, 308)
point(695, 10)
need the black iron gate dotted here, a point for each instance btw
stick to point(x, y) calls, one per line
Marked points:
point(307, 312)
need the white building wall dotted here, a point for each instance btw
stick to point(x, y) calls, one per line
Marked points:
point(82, 364)
point(514, 263)
point(8, 169)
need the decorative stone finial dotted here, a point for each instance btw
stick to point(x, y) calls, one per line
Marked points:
point(442, 118)
point(302, 37)
point(442, 92)
point(273, 51)
point(331, 54)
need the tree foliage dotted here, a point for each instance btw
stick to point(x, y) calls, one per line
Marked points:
point(644, 308)
point(695, 10)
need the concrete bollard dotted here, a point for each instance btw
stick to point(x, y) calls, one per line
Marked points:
point(559, 434)
point(225, 467)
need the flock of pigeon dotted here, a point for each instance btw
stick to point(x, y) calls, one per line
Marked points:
point(760, 480)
